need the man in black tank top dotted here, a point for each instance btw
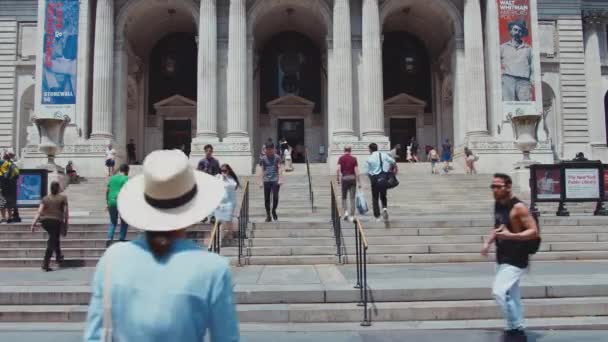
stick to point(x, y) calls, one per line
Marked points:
point(513, 228)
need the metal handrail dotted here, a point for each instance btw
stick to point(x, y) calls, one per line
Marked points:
point(361, 246)
point(215, 239)
point(243, 219)
point(310, 192)
point(336, 222)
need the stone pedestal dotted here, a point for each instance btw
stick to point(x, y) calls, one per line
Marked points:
point(50, 132)
point(521, 181)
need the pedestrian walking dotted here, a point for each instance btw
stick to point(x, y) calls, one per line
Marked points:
point(434, 158)
point(54, 215)
point(131, 155)
point(115, 184)
point(110, 159)
point(446, 155)
point(9, 174)
point(270, 174)
point(224, 213)
point(210, 166)
point(162, 286)
point(348, 176)
point(513, 231)
point(469, 161)
point(414, 149)
point(377, 164)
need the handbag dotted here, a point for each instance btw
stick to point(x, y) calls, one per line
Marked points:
point(384, 179)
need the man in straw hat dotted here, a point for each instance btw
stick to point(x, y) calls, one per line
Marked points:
point(516, 61)
point(162, 286)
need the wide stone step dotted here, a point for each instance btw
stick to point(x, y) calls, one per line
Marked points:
point(346, 312)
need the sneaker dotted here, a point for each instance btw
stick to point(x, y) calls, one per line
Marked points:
point(268, 219)
point(345, 217)
point(385, 214)
point(351, 219)
point(274, 215)
point(515, 335)
point(9, 221)
point(378, 219)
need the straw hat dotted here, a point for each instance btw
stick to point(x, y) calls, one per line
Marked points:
point(169, 195)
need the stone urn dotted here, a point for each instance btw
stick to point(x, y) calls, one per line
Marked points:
point(525, 128)
point(50, 131)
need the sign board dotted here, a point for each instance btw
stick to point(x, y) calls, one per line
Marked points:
point(547, 182)
point(582, 183)
point(31, 187)
point(60, 57)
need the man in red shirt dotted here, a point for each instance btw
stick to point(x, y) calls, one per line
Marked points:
point(348, 176)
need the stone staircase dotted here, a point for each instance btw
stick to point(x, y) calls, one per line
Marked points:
point(425, 266)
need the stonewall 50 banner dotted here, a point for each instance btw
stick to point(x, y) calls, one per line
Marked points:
point(516, 58)
point(60, 59)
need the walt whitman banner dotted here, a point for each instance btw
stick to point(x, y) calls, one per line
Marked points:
point(60, 59)
point(516, 59)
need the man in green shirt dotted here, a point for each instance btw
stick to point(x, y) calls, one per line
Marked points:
point(114, 185)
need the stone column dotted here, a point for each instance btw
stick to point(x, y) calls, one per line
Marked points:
point(341, 72)
point(206, 107)
point(103, 70)
point(237, 72)
point(84, 50)
point(372, 118)
point(595, 98)
point(476, 116)
point(459, 103)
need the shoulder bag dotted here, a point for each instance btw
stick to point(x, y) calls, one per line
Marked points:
point(386, 179)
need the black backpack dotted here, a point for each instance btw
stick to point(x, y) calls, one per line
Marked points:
point(534, 245)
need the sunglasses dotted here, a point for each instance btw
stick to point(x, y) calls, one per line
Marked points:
point(224, 170)
point(494, 186)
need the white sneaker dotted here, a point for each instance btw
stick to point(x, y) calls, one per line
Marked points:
point(378, 219)
point(385, 214)
point(351, 219)
point(345, 217)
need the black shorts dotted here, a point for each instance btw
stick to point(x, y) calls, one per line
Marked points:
point(110, 162)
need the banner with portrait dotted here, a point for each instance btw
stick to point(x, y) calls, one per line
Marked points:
point(516, 58)
point(60, 56)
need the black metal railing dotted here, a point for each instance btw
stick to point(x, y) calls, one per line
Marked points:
point(215, 239)
point(336, 221)
point(243, 220)
point(310, 192)
point(361, 246)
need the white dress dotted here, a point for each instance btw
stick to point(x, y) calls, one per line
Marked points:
point(225, 210)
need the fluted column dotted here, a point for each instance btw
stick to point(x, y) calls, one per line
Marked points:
point(206, 107)
point(595, 99)
point(237, 71)
point(341, 72)
point(476, 115)
point(372, 118)
point(103, 70)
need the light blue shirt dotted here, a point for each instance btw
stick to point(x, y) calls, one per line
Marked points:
point(174, 298)
point(373, 163)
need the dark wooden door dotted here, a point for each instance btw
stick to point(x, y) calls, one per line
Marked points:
point(293, 131)
point(177, 134)
point(401, 132)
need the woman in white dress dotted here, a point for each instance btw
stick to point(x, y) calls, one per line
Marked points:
point(224, 213)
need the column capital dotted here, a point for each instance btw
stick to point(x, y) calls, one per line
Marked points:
point(594, 17)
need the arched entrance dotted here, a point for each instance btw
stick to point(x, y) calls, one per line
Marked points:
point(156, 55)
point(418, 66)
point(290, 75)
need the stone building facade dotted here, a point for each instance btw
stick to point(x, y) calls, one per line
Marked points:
point(322, 73)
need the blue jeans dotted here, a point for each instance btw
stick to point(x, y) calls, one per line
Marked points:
point(113, 222)
point(507, 294)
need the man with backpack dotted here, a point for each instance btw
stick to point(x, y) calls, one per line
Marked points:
point(378, 165)
point(516, 236)
point(9, 173)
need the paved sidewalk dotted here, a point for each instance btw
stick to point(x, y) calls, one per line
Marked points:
point(379, 276)
point(372, 336)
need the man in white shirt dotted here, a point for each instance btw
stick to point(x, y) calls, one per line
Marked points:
point(110, 159)
point(377, 163)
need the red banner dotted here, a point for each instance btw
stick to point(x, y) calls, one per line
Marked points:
point(516, 57)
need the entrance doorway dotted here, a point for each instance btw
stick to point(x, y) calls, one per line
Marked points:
point(401, 132)
point(177, 134)
point(293, 131)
